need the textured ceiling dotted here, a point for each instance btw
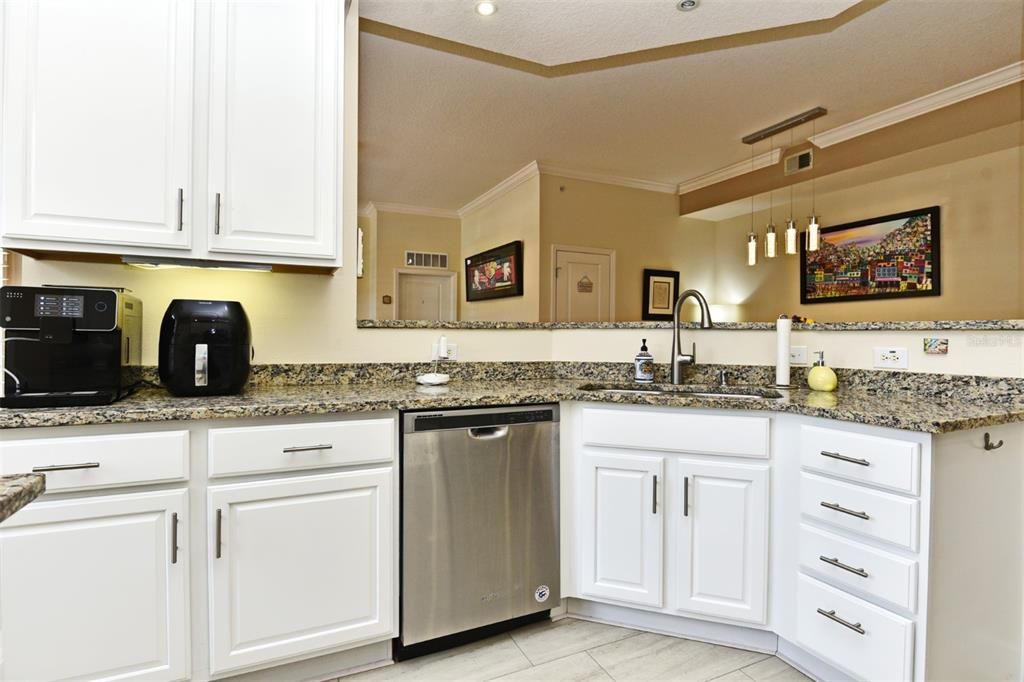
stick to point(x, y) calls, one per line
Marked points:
point(554, 32)
point(438, 129)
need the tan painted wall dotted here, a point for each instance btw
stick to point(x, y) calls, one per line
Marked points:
point(513, 216)
point(642, 227)
point(398, 232)
point(980, 200)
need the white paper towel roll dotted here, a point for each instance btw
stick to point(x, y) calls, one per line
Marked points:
point(783, 328)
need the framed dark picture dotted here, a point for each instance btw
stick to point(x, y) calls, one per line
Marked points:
point(661, 287)
point(892, 256)
point(497, 273)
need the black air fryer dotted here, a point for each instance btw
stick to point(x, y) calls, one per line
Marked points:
point(204, 348)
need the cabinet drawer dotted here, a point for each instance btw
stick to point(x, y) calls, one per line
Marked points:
point(294, 447)
point(852, 564)
point(677, 431)
point(874, 645)
point(884, 462)
point(870, 512)
point(90, 462)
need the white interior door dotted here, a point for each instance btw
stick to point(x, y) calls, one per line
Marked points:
point(91, 589)
point(424, 296)
point(304, 564)
point(274, 126)
point(583, 286)
point(622, 527)
point(97, 121)
point(722, 539)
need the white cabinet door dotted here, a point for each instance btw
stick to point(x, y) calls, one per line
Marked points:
point(92, 589)
point(722, 539)
point(621, 525)
point(274, 126)
point(300, 565)
point(97, 121)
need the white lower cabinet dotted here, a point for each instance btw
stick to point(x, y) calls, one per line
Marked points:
point(299, 565)
point(622, 526)
point(722, 539)
point(94, 589)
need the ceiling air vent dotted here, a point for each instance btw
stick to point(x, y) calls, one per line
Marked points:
point(799, 162)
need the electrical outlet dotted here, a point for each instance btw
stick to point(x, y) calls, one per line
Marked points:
point(453, 352)
point(798, 355)
point(891, 357)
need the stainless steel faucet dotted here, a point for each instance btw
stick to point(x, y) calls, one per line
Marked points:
point(680, 359)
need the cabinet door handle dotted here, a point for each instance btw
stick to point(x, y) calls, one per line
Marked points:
point(218, 535)
point(174, 538)
point(308, 448)
point(65, 467)
point(845, 458)
point(181, 209)
point(654, 498)
point(834, 506)
point(686, 495)
point(831, 615)
point(216, 213)
point(834, 561)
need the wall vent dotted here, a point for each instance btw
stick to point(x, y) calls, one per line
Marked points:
point(799, 162)
point(420, 259)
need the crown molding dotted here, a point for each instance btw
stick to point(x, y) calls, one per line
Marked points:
point(409, 209)
point(768, 158)
point(368, 211)
point(528, 171)
point(621, 181)
point(979, 85)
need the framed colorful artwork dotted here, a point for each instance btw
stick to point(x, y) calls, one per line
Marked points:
point(892, 256)
point(661, 287)
point(496, 273)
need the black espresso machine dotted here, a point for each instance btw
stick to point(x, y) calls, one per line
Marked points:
point(66, 346)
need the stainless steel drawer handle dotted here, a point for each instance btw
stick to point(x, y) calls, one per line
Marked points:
point(65, 467)
point(831, 615)
point(845, 458)
point(834, 561)
point(836, 507)
point(174, 538)
point(308, 448)
point(488, 432)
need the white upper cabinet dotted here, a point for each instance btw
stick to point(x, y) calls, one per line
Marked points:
point(97, 121)
point(622, 527)
point(274, 126)
point(722, 546)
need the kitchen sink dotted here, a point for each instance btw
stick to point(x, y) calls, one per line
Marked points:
point(689, 390)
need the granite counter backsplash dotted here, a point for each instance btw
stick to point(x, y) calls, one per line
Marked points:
point(895, 325)
point(902, 408)
point(18, 490)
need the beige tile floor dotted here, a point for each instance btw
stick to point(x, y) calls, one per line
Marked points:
point(573, 650)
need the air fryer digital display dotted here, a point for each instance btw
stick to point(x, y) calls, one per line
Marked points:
point(60, 305)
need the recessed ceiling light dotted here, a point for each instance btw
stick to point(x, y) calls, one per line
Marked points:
point(687, 5)
point(486, 8)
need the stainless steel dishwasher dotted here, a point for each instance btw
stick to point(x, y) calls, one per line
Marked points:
point(479, 523)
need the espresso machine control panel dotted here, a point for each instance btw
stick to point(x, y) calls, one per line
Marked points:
point(30, 308)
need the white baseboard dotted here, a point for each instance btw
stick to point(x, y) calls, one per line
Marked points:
point(764, 641)
point(326, 667)
point(809, 664)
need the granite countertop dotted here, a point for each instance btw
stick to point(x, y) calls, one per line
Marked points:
point(18, 490)
point(900, 409)
point(895, 325)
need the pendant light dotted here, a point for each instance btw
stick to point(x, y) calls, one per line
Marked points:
point(791, 231)
point(770, 237)
point(813, 229)
point(752, 236)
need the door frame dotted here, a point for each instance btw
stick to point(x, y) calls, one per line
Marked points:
point(555, 248)
point(453, 286)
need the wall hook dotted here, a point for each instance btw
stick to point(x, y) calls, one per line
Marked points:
point(989, 445)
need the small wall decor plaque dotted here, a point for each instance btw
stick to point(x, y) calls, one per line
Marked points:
point(661, 287)
point(585, 285)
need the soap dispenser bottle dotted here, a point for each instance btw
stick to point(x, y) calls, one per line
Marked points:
point(822, 377)
point(643, 365)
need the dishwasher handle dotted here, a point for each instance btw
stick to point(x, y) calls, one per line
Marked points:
point(487, 432)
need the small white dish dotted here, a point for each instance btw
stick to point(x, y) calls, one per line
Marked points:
point(432, 379)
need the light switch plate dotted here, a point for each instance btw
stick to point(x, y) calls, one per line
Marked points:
point(798, 355)
point(891, 357)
